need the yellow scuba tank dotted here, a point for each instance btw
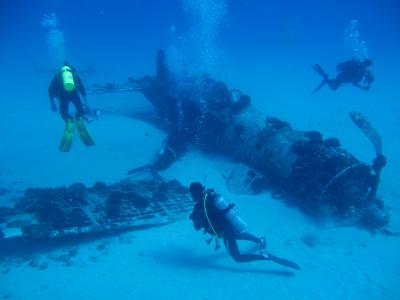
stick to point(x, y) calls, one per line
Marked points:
point(67, 78)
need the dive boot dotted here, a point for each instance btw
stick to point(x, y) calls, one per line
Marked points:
point(83, 133)
point(68, 136)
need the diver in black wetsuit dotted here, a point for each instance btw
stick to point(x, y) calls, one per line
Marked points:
point(220, 220)
point(67, 87)
point(351, 71)
point(65, 95)
point(185, 113)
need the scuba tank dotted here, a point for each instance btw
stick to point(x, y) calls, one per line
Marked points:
point(231, 215)
point(67, 78)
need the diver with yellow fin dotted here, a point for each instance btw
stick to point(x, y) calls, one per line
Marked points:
point(68, 88)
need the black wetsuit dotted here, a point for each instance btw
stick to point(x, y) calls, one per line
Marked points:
point(56, 90)
point(221, 226)
point(230, 239)
point(352, 71)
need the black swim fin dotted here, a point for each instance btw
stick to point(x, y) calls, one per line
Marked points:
point(321, 72)
point(281, 261)
point(317, 68)
point(320, 86)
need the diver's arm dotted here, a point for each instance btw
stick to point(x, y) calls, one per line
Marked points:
point(368, 80)
point(81, 87)
point(227, 209)
point(52, 93)
point(365, 87)
point(197, 216)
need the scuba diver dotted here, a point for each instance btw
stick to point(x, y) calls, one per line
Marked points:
point(173, 148)
point(68, 88)
point(220, 220)
point(192, 113)
point(352, 71)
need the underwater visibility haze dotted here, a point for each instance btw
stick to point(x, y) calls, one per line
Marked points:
point(202, 149)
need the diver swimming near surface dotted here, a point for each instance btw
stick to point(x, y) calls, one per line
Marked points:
point(68, 88)
point(220, 220)
point(352, 71)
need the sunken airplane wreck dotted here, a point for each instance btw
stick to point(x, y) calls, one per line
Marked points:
point(78, 210)
point(315, 174)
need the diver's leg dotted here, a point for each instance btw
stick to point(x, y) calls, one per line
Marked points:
point(80, 122)
point(177, 142)
point(249, 237)
point(78, 106)
point(174, 148)
point(64, 109)
point(139, 169)
point(333, 84)
point(68, 134)
point(165, 159)
point(232, 246)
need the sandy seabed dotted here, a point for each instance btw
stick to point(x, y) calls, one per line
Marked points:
point(173, 262)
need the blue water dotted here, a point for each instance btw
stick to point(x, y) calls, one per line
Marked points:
point(264, 48)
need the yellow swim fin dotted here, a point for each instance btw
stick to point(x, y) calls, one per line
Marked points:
point(83, 132)
point(68, 136)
